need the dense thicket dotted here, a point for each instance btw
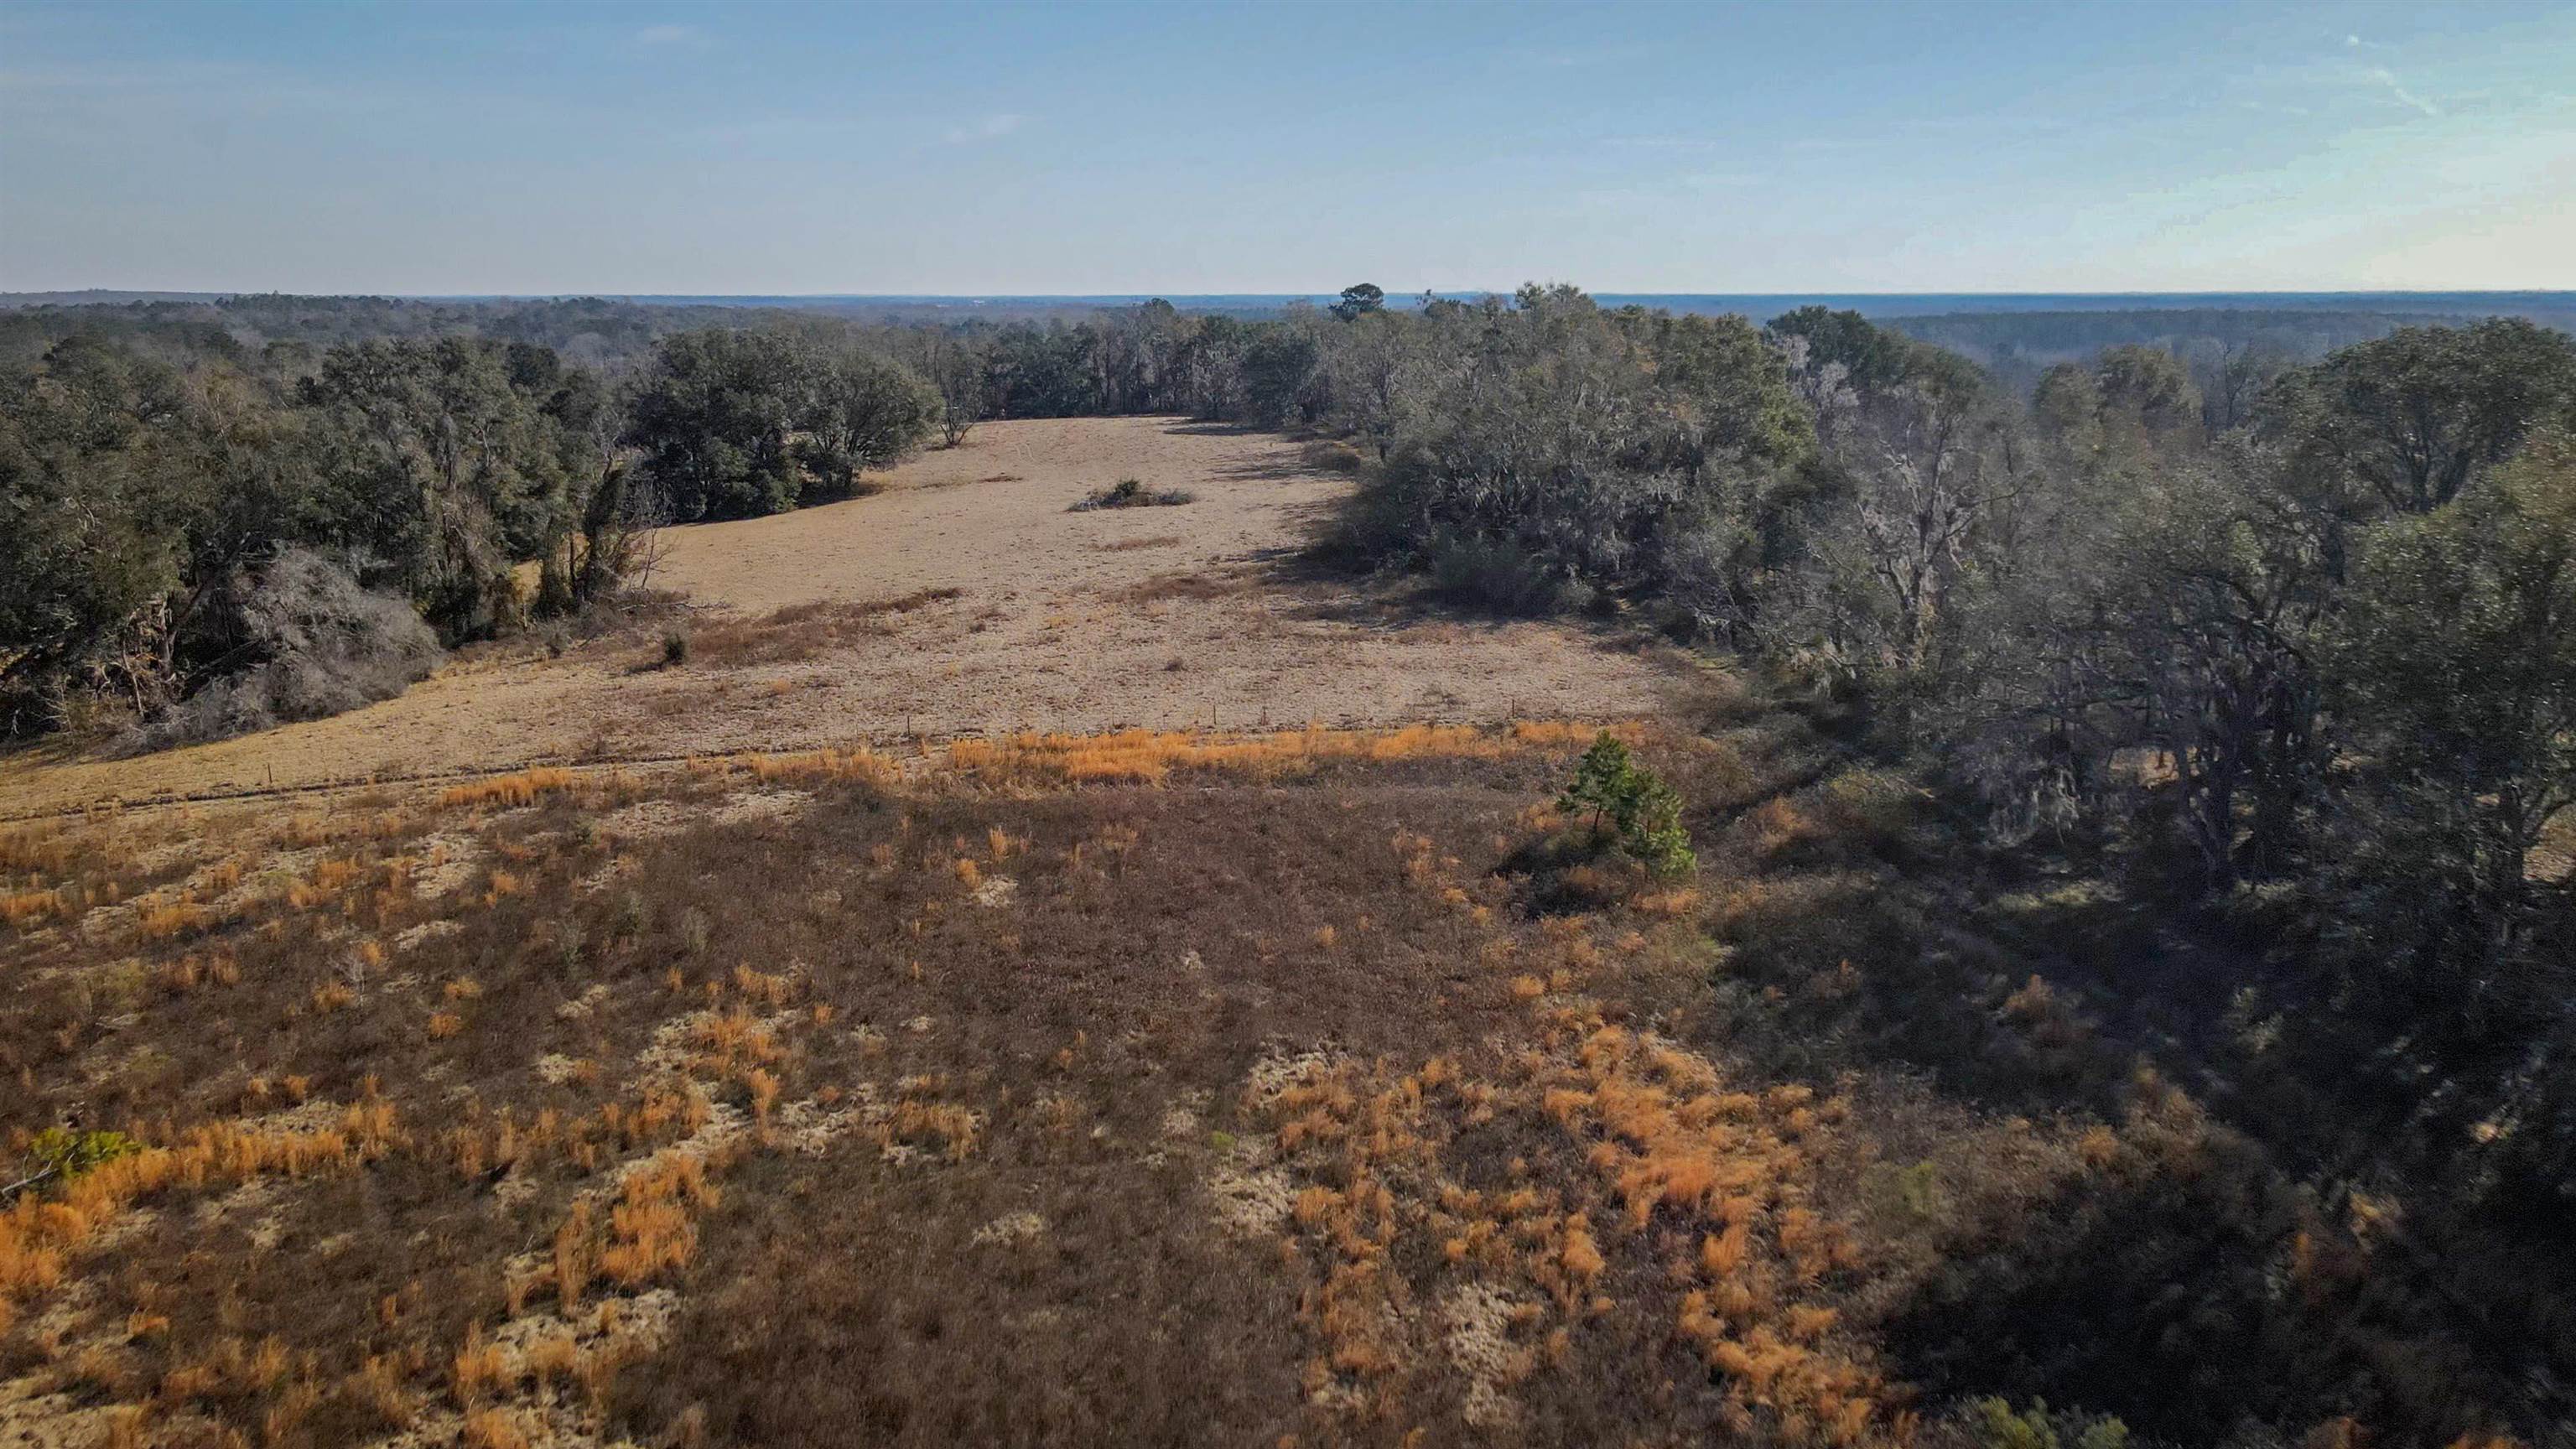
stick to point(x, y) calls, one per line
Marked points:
point(306, 539)
point(738, 423)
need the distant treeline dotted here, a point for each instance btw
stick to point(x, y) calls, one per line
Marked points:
point(2014, 336)
point(2221, 346)
point(241, 330)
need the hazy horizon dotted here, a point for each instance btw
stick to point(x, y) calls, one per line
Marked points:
point(1995, 300)
point(1131, 149)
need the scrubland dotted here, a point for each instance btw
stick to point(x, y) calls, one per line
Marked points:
point(1312, 1087)
point(961, 968)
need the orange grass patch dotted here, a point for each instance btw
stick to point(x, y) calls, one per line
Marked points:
point(509, 791)
point(39, 1231)
point(1148, 756)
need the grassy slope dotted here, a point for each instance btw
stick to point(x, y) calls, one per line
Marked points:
point(1132, 1092)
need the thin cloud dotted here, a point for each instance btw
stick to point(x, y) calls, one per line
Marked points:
point(992, 127)
point(2397, 89)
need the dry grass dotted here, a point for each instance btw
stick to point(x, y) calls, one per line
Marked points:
point(801, 632)
point(1148, 756)
point(27, 908)
point(806, 596)
point(510, 791)
point(1164, 588)
point(1170, 1087)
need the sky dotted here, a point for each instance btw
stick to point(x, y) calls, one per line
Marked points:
point(775, 148)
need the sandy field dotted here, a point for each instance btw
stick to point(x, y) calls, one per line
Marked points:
point(1161, 617)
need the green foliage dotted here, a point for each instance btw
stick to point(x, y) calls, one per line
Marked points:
point(2405, 422)
point(1996, 1426)
point(442, 464)
point(737, 422)
point(1642, 813)
point(860, 411)
point(1550, 440)
point(1358, 300)
point(148, 511)
point(1914, 1193)
point(715, 414)
point(67, 1152)
point(1870, 356)
point(2454, 665)
point(2148, 387)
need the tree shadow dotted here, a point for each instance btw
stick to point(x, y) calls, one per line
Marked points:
point(2204, 1275)
point(2191, 1295)
point(1272, 470)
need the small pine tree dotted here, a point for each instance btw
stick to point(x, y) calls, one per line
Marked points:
point(1642, 813)
point(68, 1152)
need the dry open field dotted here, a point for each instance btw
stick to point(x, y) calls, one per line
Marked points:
point(1137, 1090)
point(1316, 1088)
point(962, 598)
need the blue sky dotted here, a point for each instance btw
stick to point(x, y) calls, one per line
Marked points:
point(788, 148)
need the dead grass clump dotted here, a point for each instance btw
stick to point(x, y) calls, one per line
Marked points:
point(800, 632)
point(510, 791)
point(479, 1369)
point(1148, 756)
point(168, 920)
point(1855, 810)
point(652, 1227)
point(553, 1358)
point(1332, 455)
point(1163, 588)
point(379, 1390)
point(31, 908)
point(35, 852)
point(860, 766)
point(329, 879)
point(665, 1113)
point(726, 1046)
point(40, 1231)
point(1132, 493)
point(921, 1123)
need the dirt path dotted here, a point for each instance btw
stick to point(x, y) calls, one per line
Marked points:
point(1154, 617)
